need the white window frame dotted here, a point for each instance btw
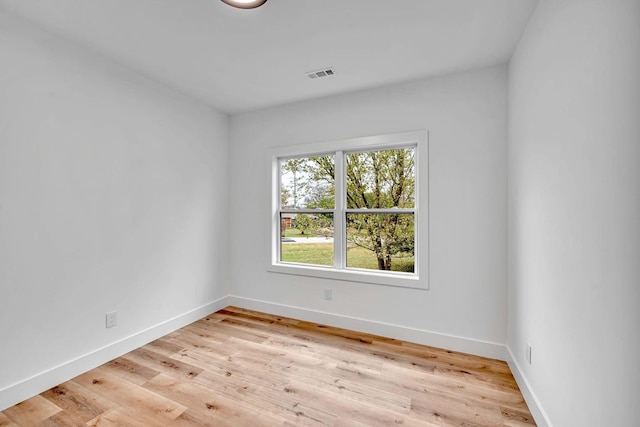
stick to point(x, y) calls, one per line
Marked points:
point(419, 278)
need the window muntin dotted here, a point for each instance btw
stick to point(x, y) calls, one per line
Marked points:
point(391, 202)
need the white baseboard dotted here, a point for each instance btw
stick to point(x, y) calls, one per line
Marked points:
point(42, 381)
point(418, 336)
point(539, 415)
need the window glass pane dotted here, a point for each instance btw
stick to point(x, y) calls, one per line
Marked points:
point(307, 183)
point(306, 239)
point(381, 179)
point(381, 242)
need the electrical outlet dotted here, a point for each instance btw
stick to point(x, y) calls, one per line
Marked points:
point(528, 353)
point(111, 319)
point(327, 294)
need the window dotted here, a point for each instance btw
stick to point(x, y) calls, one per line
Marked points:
point(352, 210)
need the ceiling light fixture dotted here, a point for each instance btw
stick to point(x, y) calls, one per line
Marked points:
point(245, 4)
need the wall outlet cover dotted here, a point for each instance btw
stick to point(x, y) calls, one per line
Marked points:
point(111, 319)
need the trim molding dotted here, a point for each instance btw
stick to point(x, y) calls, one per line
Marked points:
point(42, 381)
point(539, 415)
point(418, 336)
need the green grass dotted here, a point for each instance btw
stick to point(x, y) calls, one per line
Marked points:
point(294, 232)
point(322, 254)
point(308, 253)
point(361, 258)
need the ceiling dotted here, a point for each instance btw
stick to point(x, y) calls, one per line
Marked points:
point(241, 60)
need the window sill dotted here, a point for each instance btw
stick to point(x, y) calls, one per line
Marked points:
point(403, 280)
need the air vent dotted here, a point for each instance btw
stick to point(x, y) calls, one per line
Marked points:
point(325, 72)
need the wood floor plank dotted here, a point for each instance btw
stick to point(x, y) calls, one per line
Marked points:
point(342, 387)
point(6, 421)
point(348, 408)
point(269, 398)
point(117, 417)
point(130, 397)
point(205, 405)
point(403, 381)
point(32, 411)
point(239, 367)
point(74, 399)
point(130, 370)
point(154, 360)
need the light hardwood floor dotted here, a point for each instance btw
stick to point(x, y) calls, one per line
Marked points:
point(244, 368)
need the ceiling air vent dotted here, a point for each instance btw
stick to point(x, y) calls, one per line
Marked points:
point(325, 72)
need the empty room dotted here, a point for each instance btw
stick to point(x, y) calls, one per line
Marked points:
point(329, 212)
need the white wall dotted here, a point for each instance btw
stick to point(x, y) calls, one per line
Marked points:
point(574, 210)
point(465, 115)
point(112, 198)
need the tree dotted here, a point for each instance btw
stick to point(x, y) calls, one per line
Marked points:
point(285, 194)
point(383, 179)
point(320, 196)
point(304, 223)
point(297, 169)
point(308, 193)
